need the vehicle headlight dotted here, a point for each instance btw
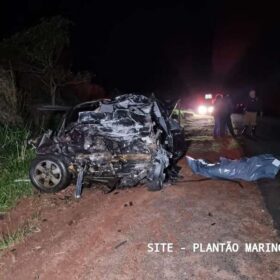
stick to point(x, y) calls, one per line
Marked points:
point(202, 110)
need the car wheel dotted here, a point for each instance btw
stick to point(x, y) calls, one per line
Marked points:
point(49, 173)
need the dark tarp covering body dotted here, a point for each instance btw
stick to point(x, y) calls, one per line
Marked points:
point(248, 169)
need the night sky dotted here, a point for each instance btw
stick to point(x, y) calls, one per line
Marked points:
point(178, 47)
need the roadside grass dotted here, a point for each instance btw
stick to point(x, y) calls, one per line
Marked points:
point(10, 239)
point(15, 157)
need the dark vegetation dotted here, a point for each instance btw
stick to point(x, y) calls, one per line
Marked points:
point(35, 69)
point(15, 157)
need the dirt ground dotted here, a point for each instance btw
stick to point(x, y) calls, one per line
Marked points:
point(105, 236)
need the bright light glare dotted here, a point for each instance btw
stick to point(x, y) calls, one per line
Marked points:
point(210, 109)
point(208, 96)
point(202, 110)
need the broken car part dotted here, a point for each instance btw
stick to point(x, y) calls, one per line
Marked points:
point(121, 142)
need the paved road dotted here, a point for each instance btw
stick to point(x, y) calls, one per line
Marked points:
point(267, 141)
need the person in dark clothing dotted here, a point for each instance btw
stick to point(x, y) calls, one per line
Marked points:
point(252, 107)
point(228, 111)
point(219, 116)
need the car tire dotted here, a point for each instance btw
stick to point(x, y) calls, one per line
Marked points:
point(49, 173)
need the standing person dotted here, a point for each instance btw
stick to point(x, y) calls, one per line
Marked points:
point(228, 112)
point(252, 107)
point(219, 116)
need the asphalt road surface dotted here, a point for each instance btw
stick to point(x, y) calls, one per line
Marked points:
point(267, 141)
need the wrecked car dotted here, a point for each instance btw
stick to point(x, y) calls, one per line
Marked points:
point(119, 142)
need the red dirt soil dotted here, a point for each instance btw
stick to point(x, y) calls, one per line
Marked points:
point(105, 236)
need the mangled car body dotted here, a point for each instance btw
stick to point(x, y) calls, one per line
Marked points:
point(121, 142)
